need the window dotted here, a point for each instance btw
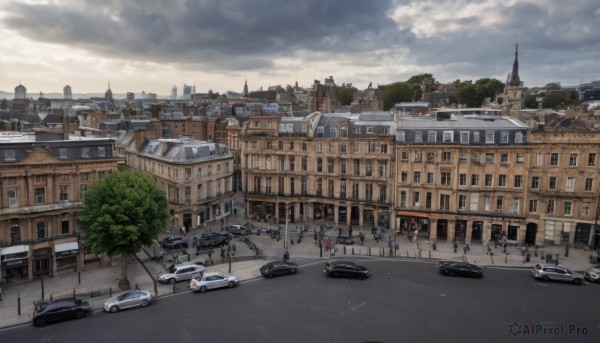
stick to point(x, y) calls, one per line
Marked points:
point(292, 186)
point(64, 193)
point(520, 158)
point(502, 181)
point(255, 164)
point(462, 157)
point(404, 177)
point(518, 181)
point(303, 186)
point(444, 202)
point(85, 152)
point(462, 201)
point(428, 198)
point(292, 163)
point(504, 158)
point(356, 147)
point(343, 147)
point(187, 193)
point(355, 189)
point(418, 136)
point(474, 180)
point(254, 145)
point(330, 165)
point(281, 186)
point(573, 160)
point(40, 195)
point(64, 227)
point(499, 203)
point(318, 147)
point(280, 145)
point(382, 194)
point(369, 192)
point(462, 179)
point(369, 168)
point(281, 162)
point(554, 159)
point(269, 145)
point(489, 158)
point(62, 152)
point(519, 137)
point(256, 124)
point(9, 155)
point(304, 163)
point(516, 206)
point(430, 179)
point(446, 156)
point(384, 148)
point(371, 147)
point(319, 165)
point(552, 182)
point(568, 207)
point(476, 136)
point(343, 166)
point(291, 145)
point(430, 157)
point(570, 185)
point(535, 182)
point(446, 179)
point(537, 159)
point(503, 137)
point(319, 187)
point(464, 137)
point(417, 177)
point(586, 209)
point(268, 163)
point(101, 151)
point(416, 199)
point(417, 157)
point(188, 172)
point(589, 184)
point(533, 205)
point(199, 172)
point(489, 137)
point(356, 167)
point(402, 198)
point(369, 130)
point(385, 130)
point(550, 207)
point(41, 230)
point(405, 156)
point(382, 168)
point(400, 136)
point(431, 136)
point(488, 180)
point(592, 159)
point(13, 197)
point(447, 136)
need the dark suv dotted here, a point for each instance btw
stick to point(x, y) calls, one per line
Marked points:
point(53, 311)
point(213, 240)
point(174, 243)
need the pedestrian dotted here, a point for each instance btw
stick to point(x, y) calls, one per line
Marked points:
point(488, 249)
point(160, 256)
point(361, 235)
point(223, 254)
point(504, 247)
point(455, 245)
point(523, 250)
point(556, 260)
point(182, 230)
point(233, 248)
point(194, 242)
point(567, 249)
point(376, 238)
point(210, 252)
point(465, 248)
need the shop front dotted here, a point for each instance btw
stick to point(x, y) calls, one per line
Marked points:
point(411, 222)
point(15, 262)
point(66, 255)
point(42, 261)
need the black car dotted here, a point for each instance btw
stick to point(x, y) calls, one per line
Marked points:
point(174, 243)
point(53, 311)
point(460, 269)
point(213, 240)
point(346, 240)
point(278, 268)
point(346, 269)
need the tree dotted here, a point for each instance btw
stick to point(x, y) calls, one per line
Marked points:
point(395, 93)
point(466, 94)
point(418, 82)
point(120, 213)
point(345, 94)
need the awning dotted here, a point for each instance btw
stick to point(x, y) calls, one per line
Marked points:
point(412, 214)
point(15, 249)
point(66, 246)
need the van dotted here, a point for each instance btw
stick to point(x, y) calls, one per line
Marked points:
point(238, 230)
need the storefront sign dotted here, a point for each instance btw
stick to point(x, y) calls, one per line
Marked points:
point(9, 263)
point(42, 253)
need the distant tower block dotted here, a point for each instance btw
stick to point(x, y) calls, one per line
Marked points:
point(67, 93)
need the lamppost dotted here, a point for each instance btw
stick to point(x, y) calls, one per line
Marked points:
point(286, 255)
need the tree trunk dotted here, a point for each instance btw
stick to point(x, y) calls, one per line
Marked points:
point(123, 281)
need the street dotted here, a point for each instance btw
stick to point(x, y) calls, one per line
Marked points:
point(400, 301)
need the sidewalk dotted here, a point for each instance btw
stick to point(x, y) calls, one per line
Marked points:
point(103, 279)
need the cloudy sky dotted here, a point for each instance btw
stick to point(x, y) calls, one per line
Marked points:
point(218, 44)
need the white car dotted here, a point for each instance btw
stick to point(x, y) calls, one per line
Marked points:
point(135, 298)
point(179, 272)
point(213, 280)
point(592, 274)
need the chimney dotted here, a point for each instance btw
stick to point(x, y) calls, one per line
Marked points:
point(65, 125)
point(140, 137)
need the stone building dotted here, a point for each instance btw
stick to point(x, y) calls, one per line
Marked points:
point(43, 177)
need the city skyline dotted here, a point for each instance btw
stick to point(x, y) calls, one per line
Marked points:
point(151, 46)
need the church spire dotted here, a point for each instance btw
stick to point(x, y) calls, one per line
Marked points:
point(514, 76)
point(245, 92)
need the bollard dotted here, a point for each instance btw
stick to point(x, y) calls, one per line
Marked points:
point(369, 251)
point(189, 259)
point(42, 281)
point(73, 294)
point(136, 286)
point(79, 276)
point(406, 253)
point(419, 253)
point(352, 250)
point(174, 288)
point(19, 304)
point(110, 290)
point(344, 250)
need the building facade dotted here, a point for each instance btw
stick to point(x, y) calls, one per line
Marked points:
point(42, 180)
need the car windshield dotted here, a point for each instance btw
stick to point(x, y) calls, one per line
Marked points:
point(172, 269)
point(122, 296)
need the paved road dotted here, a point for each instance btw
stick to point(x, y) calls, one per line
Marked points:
point(402, 301)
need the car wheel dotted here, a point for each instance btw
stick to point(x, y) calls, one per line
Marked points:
point(360, 276)
point(114, 309)
point(451, 273)
point(269, 275)
point(335, 274)
point(294, 271)
point(202, 289)
point(231, 284)
point(172, 281)
point(40, 322)
point(577, 281)
point(145, 303)
point(79, 314)
point(545, 278)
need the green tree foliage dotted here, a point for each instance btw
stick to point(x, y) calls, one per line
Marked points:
point(466, 94)
point(487, 88)
point(417, 82)
point(395, 93)
point(554, 100)
point(345, 94)
point(120, 213)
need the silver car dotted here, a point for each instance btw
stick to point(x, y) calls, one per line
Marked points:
point(547, 272)
point(136, 298)
point(592, 274)
point(180, 272)
point(213, 280)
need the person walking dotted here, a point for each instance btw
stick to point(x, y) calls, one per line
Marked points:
point(567, 249)
point(223, 254)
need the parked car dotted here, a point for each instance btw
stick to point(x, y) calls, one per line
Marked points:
point(213, 280)
point(460, 268)
point(174, 243)
point(57, 310)
point(135, 298)
point(277, 268)
point(213, 240)
point(346, 269)
point(180, 272)
point(344, 239)
point(547, 272)
point(592, 274)
point(239, 230)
